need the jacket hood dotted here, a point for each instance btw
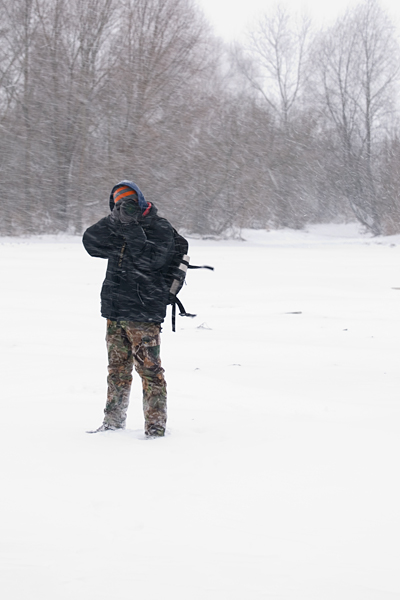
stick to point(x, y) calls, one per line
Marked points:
point(141, 199)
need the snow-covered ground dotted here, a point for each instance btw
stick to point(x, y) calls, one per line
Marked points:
point(279, 476)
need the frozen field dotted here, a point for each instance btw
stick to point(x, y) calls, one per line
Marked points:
point(279, 476)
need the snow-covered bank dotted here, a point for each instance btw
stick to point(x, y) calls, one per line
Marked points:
point(279, 476)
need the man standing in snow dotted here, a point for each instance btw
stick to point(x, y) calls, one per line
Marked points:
point(139, 246)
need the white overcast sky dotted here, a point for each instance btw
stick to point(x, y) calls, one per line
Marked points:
point(230, 17)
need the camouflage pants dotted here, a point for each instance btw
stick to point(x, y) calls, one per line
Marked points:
point(130, 343)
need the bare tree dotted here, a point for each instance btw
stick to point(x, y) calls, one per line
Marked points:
point(19, 31)
point(278, 46)
point(72, 71)
point(358, 64)
point(161, 48)
point(275, 63)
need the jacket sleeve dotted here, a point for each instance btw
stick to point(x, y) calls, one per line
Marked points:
point(99, 239)
point(149, 255)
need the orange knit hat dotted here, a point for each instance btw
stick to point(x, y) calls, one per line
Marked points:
point(124, 192)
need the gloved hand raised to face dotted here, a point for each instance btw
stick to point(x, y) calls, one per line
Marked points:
point(126, 208)
point(130, 212)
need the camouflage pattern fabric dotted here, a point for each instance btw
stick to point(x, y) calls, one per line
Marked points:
point(135, 344)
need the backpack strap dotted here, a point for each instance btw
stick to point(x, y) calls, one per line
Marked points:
point(202, 267)
point(173, 316)
point(182, 312)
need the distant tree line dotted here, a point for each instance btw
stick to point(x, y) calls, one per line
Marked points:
point(294, 126)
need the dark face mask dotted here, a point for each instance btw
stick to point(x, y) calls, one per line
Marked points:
point(130, 211)
point(130, 206)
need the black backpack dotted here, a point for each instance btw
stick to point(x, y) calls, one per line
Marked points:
point(176, 275)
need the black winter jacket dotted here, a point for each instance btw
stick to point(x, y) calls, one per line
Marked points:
point(138, 257)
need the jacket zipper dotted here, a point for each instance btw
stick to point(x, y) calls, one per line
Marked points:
point(138, 293)
point(121, 256)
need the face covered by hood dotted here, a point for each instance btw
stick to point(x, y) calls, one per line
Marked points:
point(141, 199)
